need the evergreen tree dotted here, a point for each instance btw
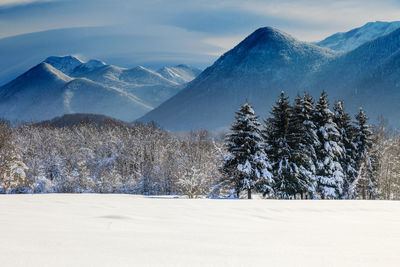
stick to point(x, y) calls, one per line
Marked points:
point(246, 165)
point(348, 160)
point(302, 139)
point(366, 184)
point(329, 173)
point(278, 150)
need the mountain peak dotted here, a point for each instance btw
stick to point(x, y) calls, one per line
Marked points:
point(266, 36)
point(268, 30)
point(64, 64)
point(62, 58)
point(36, 80)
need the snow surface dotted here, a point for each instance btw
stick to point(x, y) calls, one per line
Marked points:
point(126, 230)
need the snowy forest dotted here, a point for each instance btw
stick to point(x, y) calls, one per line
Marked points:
point(303, 150)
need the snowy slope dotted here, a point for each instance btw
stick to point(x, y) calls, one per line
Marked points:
point(151, 87)
point(86, 67)
point(105, 74)
point(85, 96)
point(142, 76)
point(33, 95)
point(180, 74)
point(346, 41)
point(125, 230)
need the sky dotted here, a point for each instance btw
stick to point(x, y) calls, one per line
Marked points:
point(188, 31)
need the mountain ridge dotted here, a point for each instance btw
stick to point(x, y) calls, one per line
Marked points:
point(350, 40)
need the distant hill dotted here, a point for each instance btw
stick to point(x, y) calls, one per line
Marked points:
point(78, 118)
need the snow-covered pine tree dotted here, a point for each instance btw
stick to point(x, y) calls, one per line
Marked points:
point(366, 184)
point(329, 174)
point(278, 150)
point(303, 140)
point(246, 166)
point(348, 160)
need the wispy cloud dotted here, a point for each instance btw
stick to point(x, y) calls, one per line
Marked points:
point(7, 3)
point(327, 15)
point(185, 28)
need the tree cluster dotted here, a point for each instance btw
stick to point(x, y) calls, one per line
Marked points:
point(108, 158)
point(302, 150)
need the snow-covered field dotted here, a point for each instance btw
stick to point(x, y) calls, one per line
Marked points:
point(125, 230)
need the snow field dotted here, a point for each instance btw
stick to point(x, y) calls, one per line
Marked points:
point(126, 230)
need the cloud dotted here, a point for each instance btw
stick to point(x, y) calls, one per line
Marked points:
point(307, 19)
point(339, 15)
point(19, 2)
point(159, 30)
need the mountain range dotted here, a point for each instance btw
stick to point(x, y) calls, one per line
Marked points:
point(269, 61)
point(120, 46)
point(63, 85)
point(361, 67)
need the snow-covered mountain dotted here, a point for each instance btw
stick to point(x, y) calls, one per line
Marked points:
point(266, 60)
point(45, 92)
point(115, 45)
point(346, 41)
point(269, 61)
point(62, 85)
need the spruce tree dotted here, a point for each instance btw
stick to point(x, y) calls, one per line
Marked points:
point(303, 140)
point(246, 165)
point(329, 173)
point(278, 150)
point(366, 183)
point(348, 160)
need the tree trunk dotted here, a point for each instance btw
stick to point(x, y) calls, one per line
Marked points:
point(249, 193)
point(237, 193)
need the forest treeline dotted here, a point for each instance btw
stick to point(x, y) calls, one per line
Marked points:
point(302, 150)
